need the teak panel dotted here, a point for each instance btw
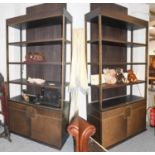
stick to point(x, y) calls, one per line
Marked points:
point(44, 30)
point(93, 116)
point(52, 53)
point(114, 126)
point(137, 119)
point(40, 9)
point(109, 8)
point(19, 121)
point(42, 125)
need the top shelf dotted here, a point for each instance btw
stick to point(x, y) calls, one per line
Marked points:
point(26, 20)
point(125, 21)
point(115, 42)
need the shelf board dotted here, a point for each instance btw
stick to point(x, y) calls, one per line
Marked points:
point(38, 63)
point(119, 63)
point(46, 85)
point(25, 21)
point(114, 42)
point(39, 42)
point(124, 21)
point(20, 100)
point(111, 86)
point(117, 102)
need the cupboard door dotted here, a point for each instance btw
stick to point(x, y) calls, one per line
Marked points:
point(114, 126)
point(18, 119)
point(46, 127)
point(136, 122)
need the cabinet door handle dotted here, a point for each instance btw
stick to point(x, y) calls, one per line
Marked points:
point(128, 112)
point(33, 113)
point(27, 112)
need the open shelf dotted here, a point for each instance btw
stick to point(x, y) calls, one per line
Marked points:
point(124, 21)
point(19, 99)
point(25, 20)
point(117, 102)
point(39, 42)
point(114, 42)
point(57, 85)
point(111, 86)
point(118, 63)
point(38, 63)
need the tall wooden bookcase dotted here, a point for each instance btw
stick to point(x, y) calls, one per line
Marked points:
point(118, 111)
point(46, 28)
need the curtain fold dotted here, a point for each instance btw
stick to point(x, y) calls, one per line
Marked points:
point(79, 81)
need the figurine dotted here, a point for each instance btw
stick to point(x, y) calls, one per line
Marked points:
point(36, 80)
point(119, 76)
point(29, 56)
point(38, 56)
point(34, 57)
point(110, 76)
point(131, 76)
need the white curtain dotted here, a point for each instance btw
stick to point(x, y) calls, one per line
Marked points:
point(78, 82)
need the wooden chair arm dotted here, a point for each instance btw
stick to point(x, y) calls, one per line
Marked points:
point(81, 131)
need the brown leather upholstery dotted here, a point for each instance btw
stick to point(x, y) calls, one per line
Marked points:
point(81, 131)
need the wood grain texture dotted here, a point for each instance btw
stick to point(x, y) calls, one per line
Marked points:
point(45, 27)
point(116, 114)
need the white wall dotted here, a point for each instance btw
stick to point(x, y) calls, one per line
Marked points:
point(4, 14)
point(78, 10)
point(138, 10)
point(20, 8)
point(8, 10)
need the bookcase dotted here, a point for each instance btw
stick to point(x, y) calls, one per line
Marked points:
point(39, 46)
point(117, 110)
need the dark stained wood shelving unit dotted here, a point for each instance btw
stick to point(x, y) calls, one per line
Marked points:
point(117, 110)
point(45, 29)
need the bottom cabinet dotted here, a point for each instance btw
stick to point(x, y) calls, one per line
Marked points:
point(46, 127)
point(18, 119)
point(114, 126)
point(136, 122)
point(120, 123)
point(38, 123)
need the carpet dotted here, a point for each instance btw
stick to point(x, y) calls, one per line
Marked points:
point(21, 144)
point(143, 142)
